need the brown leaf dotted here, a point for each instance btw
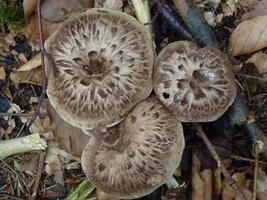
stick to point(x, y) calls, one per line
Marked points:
point(260, 61)
point(28, 7)
point(33, 76)
point(198, 186)
point(110, 4)
point(249, 36)
point(206, 176)
point(69, 138)
point(217, 186)
point(32, 33)
point(31, 64)
point(60, 10)
point(2, 73)
point(259, 8)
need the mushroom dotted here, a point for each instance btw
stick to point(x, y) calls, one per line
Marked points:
point(196, 84)
point(102, 67)
point(138, 155)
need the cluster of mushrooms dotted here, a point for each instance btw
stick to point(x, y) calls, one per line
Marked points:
point(100, 79)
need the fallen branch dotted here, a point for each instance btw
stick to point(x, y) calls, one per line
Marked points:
point(200, 133)
point(167, 15)
point(195, 22)
point(21, 145)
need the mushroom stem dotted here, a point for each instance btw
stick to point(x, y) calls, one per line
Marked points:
point(21, 145)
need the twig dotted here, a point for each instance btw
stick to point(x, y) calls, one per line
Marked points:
point(200, 133)
point(257, 150)
point(10, 196)
point(195, 22)
point(20, 114)
point(39, 175)
point(174, 23)
point(28, 143)
point(240, 158)
point(43, 53)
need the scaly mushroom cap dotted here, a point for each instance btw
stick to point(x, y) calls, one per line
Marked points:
point(196, 84)
point(103, 62)
point(150, 147)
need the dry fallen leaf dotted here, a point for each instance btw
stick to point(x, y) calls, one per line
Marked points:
point(249, 36)
point(33, 76)
point(260, 61)
point(110, 4)
point(69, 138)
point(2, 73)
point(198, 186)
point(259, 9)
point(31, 31)
point(28, 7)
point(31, 64)
point(56, 11)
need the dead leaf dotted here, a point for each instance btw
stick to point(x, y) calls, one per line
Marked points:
point(29, 163)
point(31, 64)
point(56, 11)
point(2, 73)
point(55, 158)
point(259, 9)
point(260, 61)
point(33, 76)
point(217, 186)
point(69, 138)
point(110, 4)
point(100, 195)
point(206, 176)
point(249, 36)
point(262, 181)
point(28, 7)
point(31, 31)
point(210, 18)
point(198, 186)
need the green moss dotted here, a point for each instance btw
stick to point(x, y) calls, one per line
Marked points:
point(12, 15)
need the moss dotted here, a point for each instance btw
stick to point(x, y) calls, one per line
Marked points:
point(11, 14)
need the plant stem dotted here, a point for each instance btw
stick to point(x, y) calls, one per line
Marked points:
point(82, 191)
point(142, 12)
point(21, 145)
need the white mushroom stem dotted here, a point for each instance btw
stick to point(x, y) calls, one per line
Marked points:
point(142, 12)
point(21, 145)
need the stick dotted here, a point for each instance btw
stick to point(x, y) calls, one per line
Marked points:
point(195, 22)
point(200, 133)
point(174, 23)
point(28, 143)
point(257, 150)
point(43, 52)
point(39, 175)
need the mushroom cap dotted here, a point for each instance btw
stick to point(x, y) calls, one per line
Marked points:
point(150, 149)
point(196, 84)
point(102, 66)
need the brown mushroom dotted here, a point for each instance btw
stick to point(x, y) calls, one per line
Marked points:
point(102, 67)
point(138, 155)
point(196, 84)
